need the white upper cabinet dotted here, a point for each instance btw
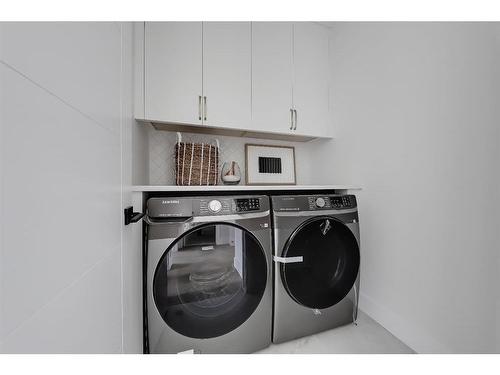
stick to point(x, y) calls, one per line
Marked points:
point(311, 79)
point(227, 73)
point(239, 77)
point(272, 73)
point(173, 72)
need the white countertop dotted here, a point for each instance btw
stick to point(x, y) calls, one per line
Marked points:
point(147, 188)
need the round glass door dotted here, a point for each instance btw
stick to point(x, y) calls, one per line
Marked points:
point(330, 263)
point(210, 280)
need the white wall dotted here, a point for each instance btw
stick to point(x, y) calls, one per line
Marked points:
point(496, 28)
point(61, 118)
point(417, 112)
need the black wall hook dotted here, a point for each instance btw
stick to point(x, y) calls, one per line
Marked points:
point(131, 216)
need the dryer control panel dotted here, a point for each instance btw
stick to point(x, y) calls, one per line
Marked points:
point(313, 202)
point(336, 202)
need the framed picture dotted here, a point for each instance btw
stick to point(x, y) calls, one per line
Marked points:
point(269, 165)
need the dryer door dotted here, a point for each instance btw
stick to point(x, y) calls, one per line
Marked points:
point(210, 280)
point(330, 263)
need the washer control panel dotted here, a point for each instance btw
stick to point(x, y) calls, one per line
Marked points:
point(185, 207)
point(229, 205)
point(250, 212)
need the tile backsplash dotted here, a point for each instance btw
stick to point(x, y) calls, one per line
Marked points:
point(162, 153)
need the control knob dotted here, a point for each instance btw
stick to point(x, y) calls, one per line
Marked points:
point(215, 205)
point(320, 202)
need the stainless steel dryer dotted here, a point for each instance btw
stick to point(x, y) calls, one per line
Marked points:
point(208, 278)
point(316, 264)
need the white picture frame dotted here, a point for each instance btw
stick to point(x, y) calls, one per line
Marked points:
point(269, 165)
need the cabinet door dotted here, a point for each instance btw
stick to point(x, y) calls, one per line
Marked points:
point(311, 79)
point(272, 76)
point(227, 74)
point(173, 71)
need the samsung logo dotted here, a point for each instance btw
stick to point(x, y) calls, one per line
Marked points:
point(170, 202)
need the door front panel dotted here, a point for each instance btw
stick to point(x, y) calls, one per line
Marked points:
point(210, 280)
point(330, 264)
point(173, 71)
point(227, 74)
point(272, 76)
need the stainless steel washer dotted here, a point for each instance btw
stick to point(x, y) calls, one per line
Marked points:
point(316, 264)
point(208, 277)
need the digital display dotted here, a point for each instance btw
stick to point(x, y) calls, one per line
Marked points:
point(245, 204)
point(340, 202)
point(336, 201)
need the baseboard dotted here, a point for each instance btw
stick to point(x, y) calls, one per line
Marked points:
point(416, 338)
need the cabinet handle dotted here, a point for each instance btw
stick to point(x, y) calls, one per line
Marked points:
point(291, 119)
point(295, 128)
point(205, 108)
point(199, 107)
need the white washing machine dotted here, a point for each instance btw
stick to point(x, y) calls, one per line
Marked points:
point(316, 263)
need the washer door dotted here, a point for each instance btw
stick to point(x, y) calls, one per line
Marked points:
point(210, 280)
point(330, 263)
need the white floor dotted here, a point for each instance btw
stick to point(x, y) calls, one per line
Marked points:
point(367, 337)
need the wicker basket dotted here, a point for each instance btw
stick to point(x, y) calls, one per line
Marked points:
point(196, 164)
